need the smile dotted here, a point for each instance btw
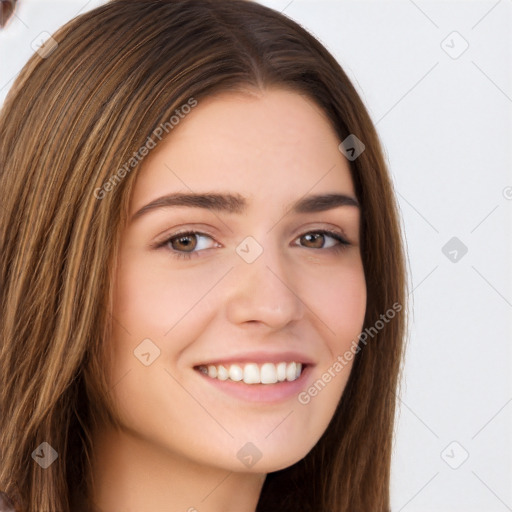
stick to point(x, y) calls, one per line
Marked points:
point(254, 373)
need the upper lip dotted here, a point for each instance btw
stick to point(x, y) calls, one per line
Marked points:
point(260, 357)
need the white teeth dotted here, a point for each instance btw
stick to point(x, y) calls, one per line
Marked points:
point(236, 373)
point(252, 373)
point(291, 371)
point(281, 372)
point(222, 373)
point(268, 373)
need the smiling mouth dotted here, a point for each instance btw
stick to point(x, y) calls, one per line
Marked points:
point(254, 373)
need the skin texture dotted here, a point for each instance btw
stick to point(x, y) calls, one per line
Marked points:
point(180, 438)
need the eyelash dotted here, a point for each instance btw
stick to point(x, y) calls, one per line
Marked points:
point(341, 246)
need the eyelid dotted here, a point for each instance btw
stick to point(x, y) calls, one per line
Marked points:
point(331, 228)
point(163, 240)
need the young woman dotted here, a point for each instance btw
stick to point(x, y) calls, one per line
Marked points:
point(202, 276)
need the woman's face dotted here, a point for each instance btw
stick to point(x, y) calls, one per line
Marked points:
point(260, 284)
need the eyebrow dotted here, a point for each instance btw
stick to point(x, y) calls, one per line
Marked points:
point(237, 204)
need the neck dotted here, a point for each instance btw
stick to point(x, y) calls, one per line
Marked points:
point(130, 473)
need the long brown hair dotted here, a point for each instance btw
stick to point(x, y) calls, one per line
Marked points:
point(78, 112)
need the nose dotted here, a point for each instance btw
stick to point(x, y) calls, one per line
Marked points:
point(263, 291)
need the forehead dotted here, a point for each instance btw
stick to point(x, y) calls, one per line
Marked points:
point(271, 145)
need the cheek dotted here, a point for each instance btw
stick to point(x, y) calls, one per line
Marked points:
point(340, 302)
point(154, 299)
point(170, 308)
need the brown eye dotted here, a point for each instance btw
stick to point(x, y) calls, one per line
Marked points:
point(316, 239)
point(187, 242)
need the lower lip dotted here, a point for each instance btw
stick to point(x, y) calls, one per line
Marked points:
point(268, 393)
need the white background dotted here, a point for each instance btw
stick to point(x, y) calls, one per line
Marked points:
point(446, 128)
